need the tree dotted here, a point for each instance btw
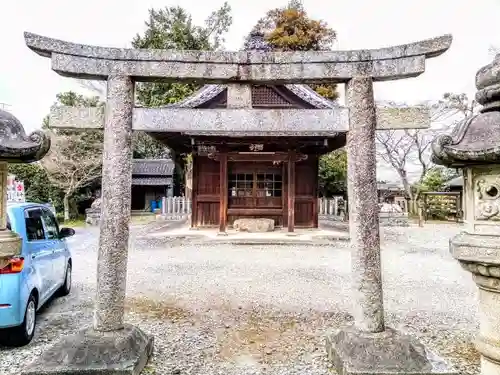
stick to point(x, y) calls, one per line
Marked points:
point(402, 149)
point(436, 178)
point(75, 158)
point(333, 173)
point(37, 185)
point(291, 29)
point(173, 28)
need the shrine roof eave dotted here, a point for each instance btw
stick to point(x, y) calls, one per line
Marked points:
point(475, 141)
point(18, 147)
point(93, 62)
point(211, 91)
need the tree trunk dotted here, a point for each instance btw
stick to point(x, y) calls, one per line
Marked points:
point(66, 207)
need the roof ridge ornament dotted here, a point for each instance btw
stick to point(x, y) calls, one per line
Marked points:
point(256, 41)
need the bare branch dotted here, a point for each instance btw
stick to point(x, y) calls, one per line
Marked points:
point(73, 163)
point(401, 149)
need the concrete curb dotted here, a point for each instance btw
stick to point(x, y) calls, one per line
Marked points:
point(194, 239)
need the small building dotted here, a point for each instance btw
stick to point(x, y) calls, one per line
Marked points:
point(152, 179)
point(393, 194)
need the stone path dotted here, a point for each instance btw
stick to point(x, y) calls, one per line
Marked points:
point(225, 309)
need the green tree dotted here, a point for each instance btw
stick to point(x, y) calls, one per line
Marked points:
point(37, 185)
point(436, 178)
point(333, 173)
point(291, 29)
point(173, 28)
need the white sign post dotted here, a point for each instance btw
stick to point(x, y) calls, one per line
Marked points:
point(15, 190)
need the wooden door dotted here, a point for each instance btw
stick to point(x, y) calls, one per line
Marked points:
point(206, 192)
point(255, 190)
point(306, 195)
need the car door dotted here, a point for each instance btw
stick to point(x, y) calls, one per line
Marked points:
point(58, 246)
point(39, 250)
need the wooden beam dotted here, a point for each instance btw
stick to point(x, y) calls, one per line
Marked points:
point(194, 191)
point(258, 157)
point(291, 191)
point(223, 193)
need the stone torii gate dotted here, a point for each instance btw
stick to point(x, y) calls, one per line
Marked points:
point(369, 346)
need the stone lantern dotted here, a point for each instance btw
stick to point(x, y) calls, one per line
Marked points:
point(15, 147)
point(474, 146)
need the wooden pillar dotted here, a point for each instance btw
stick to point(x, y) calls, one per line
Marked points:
point(291, 191)
point(316, 194)
point(223, 192)
point(194, 191)
point(284, 194)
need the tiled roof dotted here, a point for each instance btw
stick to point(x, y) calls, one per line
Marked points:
point(457, 181)
point(152, 167)
point(152, 181)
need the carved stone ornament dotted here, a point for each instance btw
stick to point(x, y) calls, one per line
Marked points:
point(475, 140)
point(16, 146)
point(474, 145)
point(487, 201)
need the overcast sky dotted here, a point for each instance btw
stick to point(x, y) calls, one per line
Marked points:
point(29, 86)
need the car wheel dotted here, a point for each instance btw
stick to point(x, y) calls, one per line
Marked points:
point(23, 334)
point(66, 287)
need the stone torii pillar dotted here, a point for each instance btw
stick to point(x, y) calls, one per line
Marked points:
point(367, 347)
point(474, 146)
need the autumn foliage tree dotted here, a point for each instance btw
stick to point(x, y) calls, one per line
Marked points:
point(291, 29)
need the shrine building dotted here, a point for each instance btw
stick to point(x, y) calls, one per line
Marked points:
point(250, 174)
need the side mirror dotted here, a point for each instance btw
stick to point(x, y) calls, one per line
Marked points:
point(66, 232)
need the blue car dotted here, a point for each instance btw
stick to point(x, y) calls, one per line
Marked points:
point(42, 271)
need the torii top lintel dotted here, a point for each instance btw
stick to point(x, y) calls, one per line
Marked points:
point(93, 62)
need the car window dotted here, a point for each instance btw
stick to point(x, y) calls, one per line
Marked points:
point(34, 224)
point(50, 224)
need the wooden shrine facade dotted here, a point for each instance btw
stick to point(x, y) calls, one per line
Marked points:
point(229, 185)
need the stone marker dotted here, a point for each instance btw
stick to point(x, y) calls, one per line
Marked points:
point(474, 146)
point(254, 225)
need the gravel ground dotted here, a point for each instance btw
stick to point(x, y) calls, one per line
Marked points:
point(265, 310)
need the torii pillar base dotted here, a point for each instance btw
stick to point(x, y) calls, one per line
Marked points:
point(354, 352)
point(122, 352)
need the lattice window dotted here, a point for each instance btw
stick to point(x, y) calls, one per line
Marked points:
point(266, 96)
point(269, 185)
point(240, 185)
